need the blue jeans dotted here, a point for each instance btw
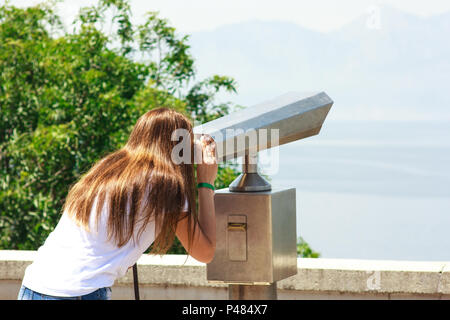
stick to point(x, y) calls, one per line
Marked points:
point(99, 294)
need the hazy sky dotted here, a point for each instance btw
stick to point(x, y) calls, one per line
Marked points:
point(198, 15)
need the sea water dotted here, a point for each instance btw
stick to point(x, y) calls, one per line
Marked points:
point(371, 189)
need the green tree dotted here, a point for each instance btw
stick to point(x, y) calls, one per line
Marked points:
point(67, 99)
point(304, 250)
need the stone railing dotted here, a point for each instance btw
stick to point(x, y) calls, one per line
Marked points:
point(179, 277)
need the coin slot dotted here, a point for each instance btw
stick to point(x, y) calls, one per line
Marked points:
point(237, 238)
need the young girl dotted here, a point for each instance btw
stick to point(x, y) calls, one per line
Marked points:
point(129, 200)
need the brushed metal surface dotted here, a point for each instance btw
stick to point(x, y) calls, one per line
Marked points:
point(295, 115)
point(271, 253)
point(249, 292)
point(284, 234)
point(250, 182)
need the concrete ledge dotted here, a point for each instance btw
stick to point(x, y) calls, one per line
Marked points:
point(179, 277)
point(370, 276)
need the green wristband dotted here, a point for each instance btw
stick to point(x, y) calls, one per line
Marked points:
point(205, 185)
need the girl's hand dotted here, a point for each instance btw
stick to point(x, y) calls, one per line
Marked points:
point(206, 160)
point(204, 234)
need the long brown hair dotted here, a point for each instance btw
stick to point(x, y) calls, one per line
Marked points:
point(143, 174)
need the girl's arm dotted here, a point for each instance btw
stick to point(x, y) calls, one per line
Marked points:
point(204, 239)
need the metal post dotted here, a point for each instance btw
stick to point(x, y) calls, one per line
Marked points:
point(249, 180)
point(135, 282)
point(250, 163)
point(251, 292)
point(257, 183)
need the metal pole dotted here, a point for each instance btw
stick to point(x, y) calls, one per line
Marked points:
point(252, 292)
point(136, 282)
point(249, 180)
point(250, 163)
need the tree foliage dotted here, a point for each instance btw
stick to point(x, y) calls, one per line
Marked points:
point(304, 250)
point(69, 98)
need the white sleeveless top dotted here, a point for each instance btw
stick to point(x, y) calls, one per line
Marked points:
point(74, 262)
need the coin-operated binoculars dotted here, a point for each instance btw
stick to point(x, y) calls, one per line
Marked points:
point(255, 223)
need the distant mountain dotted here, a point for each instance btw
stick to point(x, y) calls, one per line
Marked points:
point(397, 67)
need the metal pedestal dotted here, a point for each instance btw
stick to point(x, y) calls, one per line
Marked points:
point(257, 226)
point(250, 292)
